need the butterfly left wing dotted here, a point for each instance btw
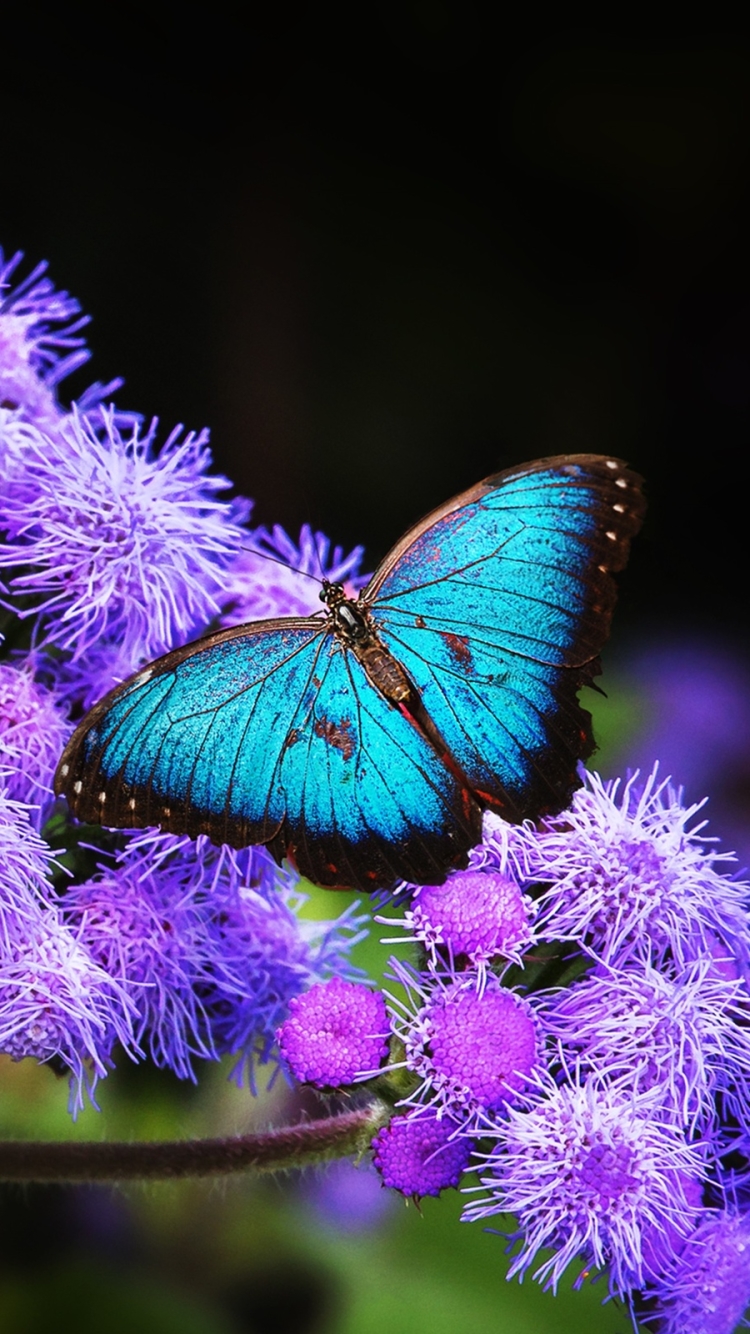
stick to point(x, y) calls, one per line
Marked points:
point(271, 733)
point(497, 605)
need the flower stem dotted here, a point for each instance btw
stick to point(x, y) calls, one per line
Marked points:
point(163, 1160)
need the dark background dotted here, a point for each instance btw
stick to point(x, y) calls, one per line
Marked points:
point(383, 256)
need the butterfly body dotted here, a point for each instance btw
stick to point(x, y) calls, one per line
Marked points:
point(365, 743)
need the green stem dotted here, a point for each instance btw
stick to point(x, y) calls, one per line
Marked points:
point(167, 1160)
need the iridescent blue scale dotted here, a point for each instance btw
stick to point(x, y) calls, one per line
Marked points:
point(364, 745)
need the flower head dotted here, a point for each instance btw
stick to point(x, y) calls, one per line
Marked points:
point(25, 865)
point(40, 341)
point(117, 542)
point(57, 1002)
point(421, 1154)
point(706, 1289)
point(207, 944)
point(476, 915)
point(586, 1169)
point(684, 1036)
point(274, 576)
point(625, 874)
point(334, 1033)
point(473, 1042)
point(33, 731)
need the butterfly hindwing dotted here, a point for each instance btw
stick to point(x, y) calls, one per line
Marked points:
point(497, 606)
point(270, 733)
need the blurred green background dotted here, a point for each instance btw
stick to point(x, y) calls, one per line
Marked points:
point(382, 254)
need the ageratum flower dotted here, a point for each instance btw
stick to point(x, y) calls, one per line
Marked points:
point(274, 576)
point(421, 1154)
point(207, 944)
point(685, 1037)
point(476, 915)
point(624, 874)
point(706, 1288)
point(33, 731)
point(333, 1032)
point(472, 1043)
point(587, 1169)
point(57, 1003)
point(26, 862)
point(117, 542)
point(40, 342)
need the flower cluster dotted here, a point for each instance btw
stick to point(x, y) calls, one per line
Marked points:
point(573, 1026)
point(115, 548)
point(575, 1031)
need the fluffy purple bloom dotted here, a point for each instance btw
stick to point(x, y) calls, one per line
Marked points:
point(40, 341)
point(206, 942)
point(275, 955)
point(476, 915)
point(118, 542)
point(26, 863)
point(706, 1288)
point(586, 1170)
point(625, 874)
point(421, 1154)
point(684, 1037)
point(473, 1043)
point(33, 731)
point(335, 1033)
point(274, 576)
point(56, 1002)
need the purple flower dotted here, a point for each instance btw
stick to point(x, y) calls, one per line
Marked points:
point(207, 943)
point(33, 731)
point(478, 915)
point(57, 1003)
point(40, 342)
point(587, 1170)
point(684, 1037)
point(118, 542)
point(272, 576)
point(26, 862)
point(421, 1155)
point(706, 1288)
point(625, 874)
point(473, 1043)
point(335, 1032)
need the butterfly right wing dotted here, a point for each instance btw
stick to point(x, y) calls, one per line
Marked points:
point(271, 733)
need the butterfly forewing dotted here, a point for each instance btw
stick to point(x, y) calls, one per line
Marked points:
point(497, 606)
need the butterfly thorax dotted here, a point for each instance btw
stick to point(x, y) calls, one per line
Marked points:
point(351, 624)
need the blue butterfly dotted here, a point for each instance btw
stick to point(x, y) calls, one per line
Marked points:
point(363, 743)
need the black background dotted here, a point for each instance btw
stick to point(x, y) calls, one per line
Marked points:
point(384, 255)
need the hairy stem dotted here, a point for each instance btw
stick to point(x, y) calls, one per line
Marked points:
point(166, 1160)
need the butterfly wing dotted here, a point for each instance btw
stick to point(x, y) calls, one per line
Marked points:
point(497, 605)
point(270, 733)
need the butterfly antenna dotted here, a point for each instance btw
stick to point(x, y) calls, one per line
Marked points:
point(265, 555)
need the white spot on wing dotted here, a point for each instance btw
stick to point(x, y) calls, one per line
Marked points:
point(612, 536)
point(612, 463)
point(131, 803)
point(65, 770)
point(620, 481)
point(78, 786)
point(102, 798)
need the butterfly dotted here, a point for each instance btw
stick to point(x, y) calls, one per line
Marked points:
point(364, 742)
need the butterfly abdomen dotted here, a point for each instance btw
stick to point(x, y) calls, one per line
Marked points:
point(384, 671)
